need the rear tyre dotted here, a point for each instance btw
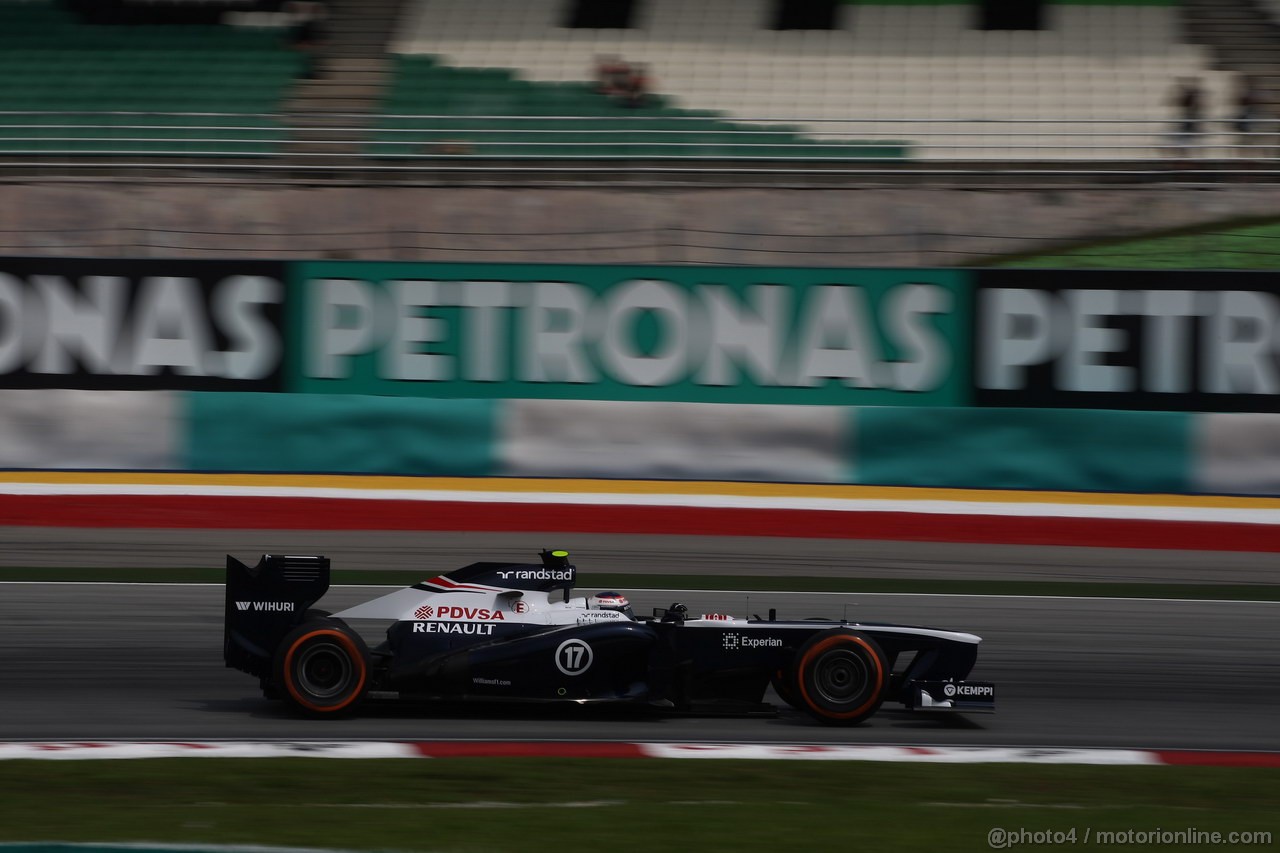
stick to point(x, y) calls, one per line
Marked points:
point(841, 677)
point(270, 689)
point(322, 668)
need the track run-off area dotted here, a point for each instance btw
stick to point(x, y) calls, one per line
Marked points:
point(108, 661)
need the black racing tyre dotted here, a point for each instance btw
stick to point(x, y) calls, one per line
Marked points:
point(321, 668)
point(784, 684)
point(271, 690)
point(841, 677)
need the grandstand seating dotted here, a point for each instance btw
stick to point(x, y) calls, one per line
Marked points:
point(1113, 63)
point(438, 110)
point(86, 77)
point(490, 77)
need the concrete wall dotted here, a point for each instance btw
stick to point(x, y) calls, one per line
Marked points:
point(927, 226)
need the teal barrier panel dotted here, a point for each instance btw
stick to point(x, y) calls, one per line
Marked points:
point(1067, 449)
point(340, 433)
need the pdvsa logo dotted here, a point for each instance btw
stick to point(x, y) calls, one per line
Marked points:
point(424, 612)
point(471, 614)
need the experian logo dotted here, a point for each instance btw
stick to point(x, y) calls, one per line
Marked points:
point(734, 642)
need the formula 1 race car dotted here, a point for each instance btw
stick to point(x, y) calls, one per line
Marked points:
point(513, 632)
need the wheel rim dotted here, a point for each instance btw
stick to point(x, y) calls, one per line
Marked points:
point(324, 670)
point(840, 676)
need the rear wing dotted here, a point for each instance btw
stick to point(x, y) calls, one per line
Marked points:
point(264, 602)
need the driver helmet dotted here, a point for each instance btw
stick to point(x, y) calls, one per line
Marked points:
point(612, 601)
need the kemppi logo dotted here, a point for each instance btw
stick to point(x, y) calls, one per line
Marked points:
point(974, 690)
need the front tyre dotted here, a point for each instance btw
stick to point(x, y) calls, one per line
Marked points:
point(841, 677)
point(322, 668)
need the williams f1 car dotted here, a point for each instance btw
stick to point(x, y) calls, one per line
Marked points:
point(515, 632)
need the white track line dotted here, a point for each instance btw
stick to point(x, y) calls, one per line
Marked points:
point(126, 750)
point(762, 592)
point(752, 592)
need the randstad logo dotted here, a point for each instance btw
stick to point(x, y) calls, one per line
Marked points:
point(537, 574)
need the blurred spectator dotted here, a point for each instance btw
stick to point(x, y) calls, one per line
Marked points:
point(611, 75)
point(1188, 100)
point(1247, 100)
point(307, 32)
point(308, 22)
point(636, 89)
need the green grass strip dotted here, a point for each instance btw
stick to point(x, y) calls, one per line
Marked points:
point(771, 583)
point(556, 805)
point(1236, 245)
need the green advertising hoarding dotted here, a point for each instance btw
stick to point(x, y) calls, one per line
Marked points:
point(705, 334)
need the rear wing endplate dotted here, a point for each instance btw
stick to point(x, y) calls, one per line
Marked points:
point(264, 602)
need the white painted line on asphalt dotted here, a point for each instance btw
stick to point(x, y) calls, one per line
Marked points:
point(108, 583)
point(1127, 598)
point(720, 751)
point(761, 592)
point(908, 754)
point(165, 847)
point(470, 804)
point(100, 750)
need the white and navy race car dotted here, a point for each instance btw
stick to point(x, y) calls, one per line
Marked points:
point(515, 632)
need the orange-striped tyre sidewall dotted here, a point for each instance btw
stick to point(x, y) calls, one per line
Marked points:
point(870, 653)
point(359, 660)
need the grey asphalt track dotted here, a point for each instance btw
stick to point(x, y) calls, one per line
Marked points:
point(99, 661)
